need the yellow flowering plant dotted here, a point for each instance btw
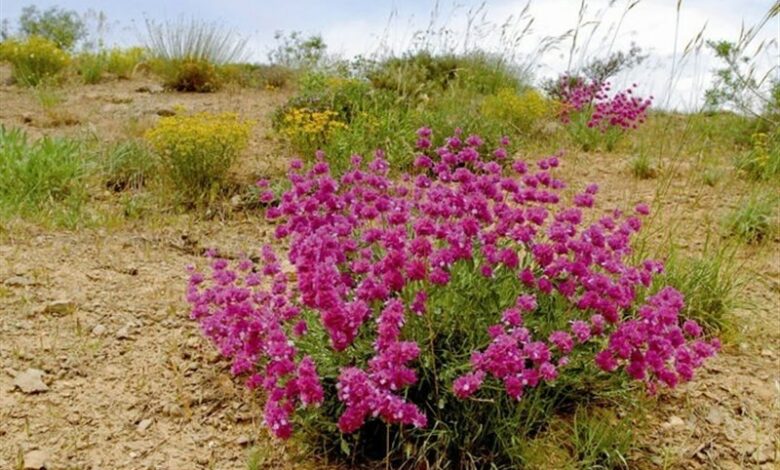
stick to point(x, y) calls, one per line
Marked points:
point(308, 129)
point(197, 150)
point(33, 60)
point(522, 110)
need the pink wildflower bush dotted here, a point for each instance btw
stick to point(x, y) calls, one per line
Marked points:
point(446, 303)
point(593, 115)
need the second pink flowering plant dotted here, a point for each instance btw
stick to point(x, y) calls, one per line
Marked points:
point(447, 312)
point(594, 115)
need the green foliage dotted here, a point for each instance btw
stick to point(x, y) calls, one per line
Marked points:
point(599, 439)
point(711, 285)
point(423, 75)
point(754, 218)
point(197, 151)
point(122, 62)
point(642, 166)
point(43, 179)
point(117, 63)
point(268, 77)
point(91, 66)
point(294, 51)
point(762, 161)
point(128, 165)
point(62, 27)
point(33, 60)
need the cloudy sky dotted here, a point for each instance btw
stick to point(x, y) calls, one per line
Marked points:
point(352, 27)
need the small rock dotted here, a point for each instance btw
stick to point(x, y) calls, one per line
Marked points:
point(767, 353)
point(19, 281)
point(236, 201)
point(60, 307)
point(36, 460)
point(123, 333)
point(30, 381)
point(674, 422)
point(144, 424)
point(715, 416)
point(98, 330)
point(166, 112)
point(762, 455)
point(243, 440)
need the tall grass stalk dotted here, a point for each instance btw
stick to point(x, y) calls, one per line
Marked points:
point(195, 40)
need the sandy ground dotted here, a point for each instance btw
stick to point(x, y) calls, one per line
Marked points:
point(127, 381)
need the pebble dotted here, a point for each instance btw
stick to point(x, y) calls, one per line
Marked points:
point(674, 422)
point(59, 307)
point(98, 330)
point(31, 381)
point(243, 440)
point(123, 333)
point(19, 281)
point(36, 460)
point(144, 424)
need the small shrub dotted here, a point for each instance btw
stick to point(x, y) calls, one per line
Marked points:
point(197, 150)
point(642, 166)
point(41, 177)
point(128, 165)
point(762, 161)
point(522, 111)
point(197, 76)
point(445, 317)
point(753, 221)
point(33, 60)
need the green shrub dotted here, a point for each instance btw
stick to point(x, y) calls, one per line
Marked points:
point(33, 60)
point(754, 219)
point(269, 77)
point(128, 165)
point(41, 177)
point(197, 150)
point(62, 27)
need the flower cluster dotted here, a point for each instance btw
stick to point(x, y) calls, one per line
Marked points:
point(368, 255)
point(299, 122)
point(622, 110)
